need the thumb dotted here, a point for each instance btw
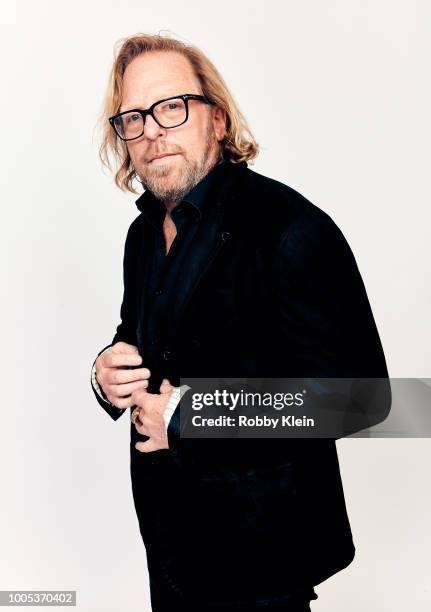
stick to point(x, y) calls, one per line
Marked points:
point(147, 446)
point(166, 386)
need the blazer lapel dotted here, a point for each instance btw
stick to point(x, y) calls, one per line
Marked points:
point(217, 229)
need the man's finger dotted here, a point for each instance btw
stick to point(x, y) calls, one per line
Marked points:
point(126, 389)
point(120, 402)
point(118, 376)
point(124, 347)
point(139, 396)
point(116, 360)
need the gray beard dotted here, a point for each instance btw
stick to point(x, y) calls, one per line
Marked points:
point(193, 173)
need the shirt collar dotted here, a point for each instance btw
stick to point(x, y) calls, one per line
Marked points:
point(154, 209)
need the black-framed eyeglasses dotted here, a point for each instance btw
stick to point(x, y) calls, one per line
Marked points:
point(168, 113)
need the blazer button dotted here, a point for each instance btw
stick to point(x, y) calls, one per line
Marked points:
point(225, 236)
point(167, 354)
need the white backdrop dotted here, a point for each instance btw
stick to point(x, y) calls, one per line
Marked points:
point(351, 133)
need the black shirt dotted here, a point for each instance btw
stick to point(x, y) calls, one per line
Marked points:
point(168, 275)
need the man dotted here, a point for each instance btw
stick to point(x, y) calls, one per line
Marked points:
point(226, 273)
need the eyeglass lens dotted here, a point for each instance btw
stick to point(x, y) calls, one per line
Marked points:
point(168, 114)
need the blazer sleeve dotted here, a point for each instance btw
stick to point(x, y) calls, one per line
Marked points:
point(322, 303)
point(327, 324)
point(324, 320)
point(126, 329)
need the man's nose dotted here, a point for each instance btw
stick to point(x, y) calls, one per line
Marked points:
point(152, 129)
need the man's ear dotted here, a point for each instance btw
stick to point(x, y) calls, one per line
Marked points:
point(219, 122)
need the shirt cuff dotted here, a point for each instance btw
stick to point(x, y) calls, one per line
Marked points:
point(173, 402)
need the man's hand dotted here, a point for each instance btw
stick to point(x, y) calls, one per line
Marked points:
point(115, 377)
point(150, 420)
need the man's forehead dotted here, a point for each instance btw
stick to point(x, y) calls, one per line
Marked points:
point(147, 85)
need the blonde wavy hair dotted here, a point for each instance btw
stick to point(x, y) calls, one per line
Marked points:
point(238, 144)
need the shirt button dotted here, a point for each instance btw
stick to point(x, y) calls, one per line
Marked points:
point(167, 354)
point(178, 211)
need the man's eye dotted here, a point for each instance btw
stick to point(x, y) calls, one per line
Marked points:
point(170, 106)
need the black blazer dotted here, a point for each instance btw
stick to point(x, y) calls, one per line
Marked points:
point(277, 294)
